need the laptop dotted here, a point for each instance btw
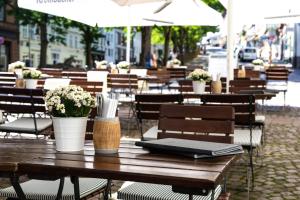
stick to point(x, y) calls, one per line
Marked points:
point(191, 148)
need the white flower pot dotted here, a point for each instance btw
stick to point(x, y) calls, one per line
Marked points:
point(176, 65)
point(31, 83)
point(19, 73)
point(199, 87)
point(123, 71)
point(69, 133)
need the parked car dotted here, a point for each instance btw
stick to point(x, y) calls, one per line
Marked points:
point(248, 53)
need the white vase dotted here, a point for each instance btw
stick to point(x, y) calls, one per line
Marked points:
point(199, 87)
point(31, 83)
point(69, 133)
point(19, 73)
point(123, 71)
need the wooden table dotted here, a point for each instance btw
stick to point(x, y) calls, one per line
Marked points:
point(38, 158)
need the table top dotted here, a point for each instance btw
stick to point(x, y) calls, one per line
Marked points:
point(132, 163)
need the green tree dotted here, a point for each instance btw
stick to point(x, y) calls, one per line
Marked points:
point(43, 22)
point(89, 36)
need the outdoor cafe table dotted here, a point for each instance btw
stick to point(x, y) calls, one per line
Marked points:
point(38, 158)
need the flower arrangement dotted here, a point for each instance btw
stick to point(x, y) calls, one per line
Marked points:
point(258, 62)
point(69, 101)
point(176, 62)
point(32, 74)
point(199, 75)
point(101, 64)
point(123, 65)
point(16, 65)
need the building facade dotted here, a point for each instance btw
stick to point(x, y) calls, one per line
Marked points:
point(111, 47)
point(9, 38)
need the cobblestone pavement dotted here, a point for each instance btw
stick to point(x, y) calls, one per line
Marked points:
point(277, 171)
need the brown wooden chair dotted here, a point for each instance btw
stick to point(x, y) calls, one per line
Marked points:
point(186, 122)
point(90, 86)
point(54, 72)
point(244, 134)
point(250, 74)
point(25, 101)
point(177, 73)
point(235, 86)
point(122, 84)
point(147, 107)
point(162, 79)
point(82, 75)
point(277, 80)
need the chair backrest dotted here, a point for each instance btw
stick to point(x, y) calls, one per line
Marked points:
point(163, 76)
point(8, 79)
point(7, 74)
point(177, 73)
point(20, 100)
point(122, 81)
point(197, 122)
point(251, 74)
point(89, 86)
point(237, 85)
point(54, 72)
point(277, 74)
point(75, 74)
point(148, 105)
point(244, 105)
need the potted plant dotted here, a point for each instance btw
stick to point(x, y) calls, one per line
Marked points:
point(176, 63)
point(123, 67)
point(69, 107)
point(101, 64)
point(17, 68)
point(258, 64)
point(31, 77)
point(199, 78)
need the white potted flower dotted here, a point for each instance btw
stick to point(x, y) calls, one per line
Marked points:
point(101, 64)
point(176, 63)
point(123, 67)
point(199, 78)
point(258, 64)
point(31, 77)
point(69, 107)
point(17, 68)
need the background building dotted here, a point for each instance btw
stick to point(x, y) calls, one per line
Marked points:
point(111, 47)
point(9, 38)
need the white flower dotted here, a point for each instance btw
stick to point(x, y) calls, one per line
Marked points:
point(176, 62)
point(32, 74)
point(70, 101)
point(199, 75)
point(123, 65)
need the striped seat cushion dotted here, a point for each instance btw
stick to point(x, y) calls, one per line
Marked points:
point(27, 125)
point(47, 190)
point(242, 137)
point(147, 191)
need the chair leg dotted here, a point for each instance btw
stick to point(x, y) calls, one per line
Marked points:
point(107, 189)
point(75, 181)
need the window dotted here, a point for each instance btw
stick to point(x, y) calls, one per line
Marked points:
point(2, 13)
point(55, 58)
point(76, 42)
point(71, 41)
point(25, 31)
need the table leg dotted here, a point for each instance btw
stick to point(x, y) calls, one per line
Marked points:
point(190, 197)
point(75, 181)
point(16, 185)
